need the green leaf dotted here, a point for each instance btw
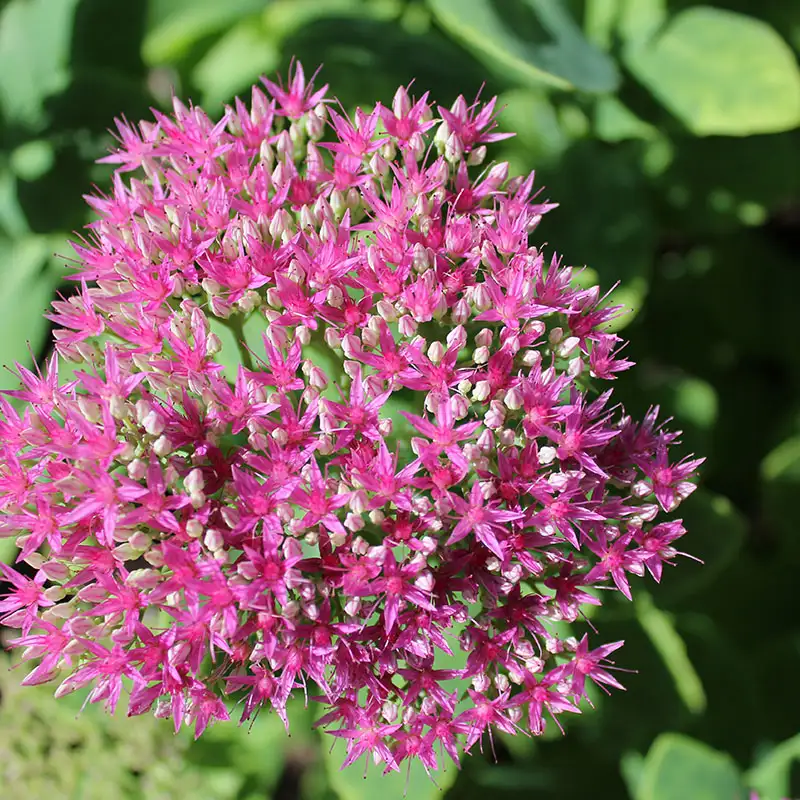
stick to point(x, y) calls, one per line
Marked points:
point(599, 21)
point(175, 25)
point(235, 61)
point(661, 631)
point(282, 18)
point(615, 122)
point(537, 45)
point(631, 297)
point(780, 477)
point(696, 402)
point(783, 463)
point(12, 218)
point(693, 401)
point(677, 768)
point(8, 550)
point(530, 114)
point(32, 160)
point(771, 774)
point(721, 73)
point(230, 356)
point(639, 20)
point(35, 37)
point(25, 294)
point(632, 766)
point(254, 754)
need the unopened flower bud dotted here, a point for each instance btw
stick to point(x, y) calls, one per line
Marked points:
point(480, 355)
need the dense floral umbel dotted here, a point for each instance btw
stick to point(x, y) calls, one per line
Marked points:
point(399, 497)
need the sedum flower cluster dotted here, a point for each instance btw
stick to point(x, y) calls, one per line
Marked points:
point(409, 482)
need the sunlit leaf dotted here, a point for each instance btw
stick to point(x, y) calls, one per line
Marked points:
point(632, 768)
point(35, 37)
point(599, 22)
point(771, 774)
point(540, 44)
point(530, 114)
point(235, 61)
point(175, 25)
point(677, 768)
point(721, 73)
point(639, 20)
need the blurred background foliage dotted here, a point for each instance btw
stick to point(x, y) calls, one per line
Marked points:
point(668, 131)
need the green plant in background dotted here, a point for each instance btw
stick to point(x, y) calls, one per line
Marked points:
point(668, 132)
point(74, 750)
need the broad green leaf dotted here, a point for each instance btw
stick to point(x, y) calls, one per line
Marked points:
point(661, 631)
point(235, 61)
point(721, 73)
point(770, 775)
point(537, 45)
point(35, 38)
point(26, 288)
point(678, 768)
point(175, 25)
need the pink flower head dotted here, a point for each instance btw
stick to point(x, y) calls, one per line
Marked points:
point(335, 415)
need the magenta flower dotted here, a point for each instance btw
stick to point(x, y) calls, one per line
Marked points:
point(196, 527)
